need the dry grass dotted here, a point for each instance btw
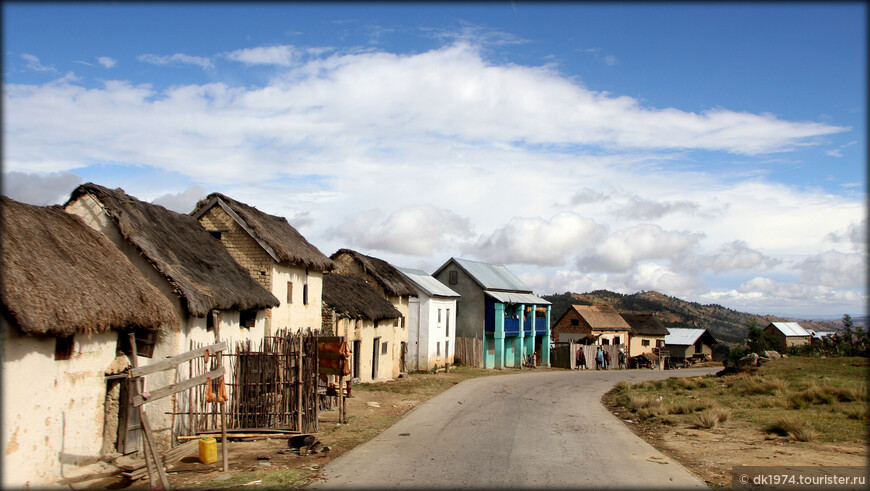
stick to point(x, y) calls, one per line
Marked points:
point(687, 407)
point(710, 419)
point(763, 386)
point(636, 403)
point(795, 426)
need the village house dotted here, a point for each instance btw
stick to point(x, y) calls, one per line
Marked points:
point(69, 298)
point(498, 309)
point(275, 254)
point(788, 334)
point(355, 310)
point(647, 333)
point(592, 324)
point(392, 285)
point(192, 270)
point(683, 343)
point(431, 321)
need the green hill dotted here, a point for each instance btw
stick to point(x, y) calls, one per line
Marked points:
point(726, 324)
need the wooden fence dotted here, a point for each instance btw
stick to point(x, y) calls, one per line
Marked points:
point(270, 384)
point(468, 351)
point(564, 355)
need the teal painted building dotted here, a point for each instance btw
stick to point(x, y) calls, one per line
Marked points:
point(497, 308)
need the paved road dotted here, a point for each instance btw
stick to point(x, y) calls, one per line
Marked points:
point(532, 430)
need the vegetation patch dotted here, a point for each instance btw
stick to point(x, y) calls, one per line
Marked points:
point(831, 393)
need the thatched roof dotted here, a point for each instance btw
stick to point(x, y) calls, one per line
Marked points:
point(602, 317)
point(353, 297)
point(200, 269)
point(645, 324)
point(387, 276)
point(61, 277)
point(275, 234)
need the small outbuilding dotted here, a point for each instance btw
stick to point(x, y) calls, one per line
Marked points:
point(788, 333)
point(684, 343)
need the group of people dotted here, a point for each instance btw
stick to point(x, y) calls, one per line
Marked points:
point(602, 358)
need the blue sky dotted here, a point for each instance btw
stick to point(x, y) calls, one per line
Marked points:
point(714, 152)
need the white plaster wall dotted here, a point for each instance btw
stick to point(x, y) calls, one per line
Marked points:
point(53, 410)
point(296, 315)
point(635, 347)
point(416, 334)
point(437, 332)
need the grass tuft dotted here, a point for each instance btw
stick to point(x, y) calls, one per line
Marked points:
point(709, 419)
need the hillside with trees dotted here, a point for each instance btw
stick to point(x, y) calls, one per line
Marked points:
point(727, 325)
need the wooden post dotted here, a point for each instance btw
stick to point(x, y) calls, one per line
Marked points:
point(299, 386)
point(151, 453)
point(217, 339)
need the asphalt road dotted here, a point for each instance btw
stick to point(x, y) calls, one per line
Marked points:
point(530, 430)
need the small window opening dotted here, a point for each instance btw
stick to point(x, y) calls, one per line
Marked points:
point(63, 348)
point(384, 348)
point(453, 277)
point(144, 342)
point(305, 294)
point(248, 318)
point(289, 292)
point(216, 234)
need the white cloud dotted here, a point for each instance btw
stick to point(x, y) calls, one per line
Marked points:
point(418, 231)
point(183, 202)
point(177, 58)
point(39, 189)
point(264, 55)
point(538, 241)
point(587, 195)
point(734, 256)
point(34, 64)
point(106, 61)
point(652, 276)
point(835, 269)
point(646, 209)
point(623, 249)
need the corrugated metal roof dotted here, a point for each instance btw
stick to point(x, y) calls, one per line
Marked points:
point(517, 298)
point(790, 329)
point(681, 336)
point(427, 283)
point(492, 276)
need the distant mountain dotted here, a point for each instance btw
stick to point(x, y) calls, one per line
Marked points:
point(726, 324)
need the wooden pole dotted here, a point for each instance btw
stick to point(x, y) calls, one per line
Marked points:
point(217, 339)
point(299, 386)
point(150, 447)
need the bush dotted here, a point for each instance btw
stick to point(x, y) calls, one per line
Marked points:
point(709, 419)
point(793, 425)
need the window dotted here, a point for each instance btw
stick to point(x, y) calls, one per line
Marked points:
point(209, 322)
point(453, 277)
point(438, 349)
point(605, 341)
point(439, 315)
point(644, 342)
point(575, 322)
point(63, 348)
point(144, 341)
point(289, 292)
point(616, 340)
point(215, 233)
point(403, 321)
point(305, 294)
point(248, 318)
point(448, 323)
point(384, 348)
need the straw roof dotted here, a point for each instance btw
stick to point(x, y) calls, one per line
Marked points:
point(602, 317)
point(353, 297)
point(645, 324)
point(275, 234)
point(387, 276)
point(61, 277)
point(200, 269)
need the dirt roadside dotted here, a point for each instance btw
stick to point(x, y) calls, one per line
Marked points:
point(270, 462)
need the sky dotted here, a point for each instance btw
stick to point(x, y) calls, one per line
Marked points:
point(711, 152)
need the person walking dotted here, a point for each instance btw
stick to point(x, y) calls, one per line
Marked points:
point(621, 356)
point(606, 360)
point(599, 358)
point(581, 358)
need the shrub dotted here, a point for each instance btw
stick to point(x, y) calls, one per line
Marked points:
point(687, 407)
point(793, 425)
point(709, 419)
point(642, 402)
